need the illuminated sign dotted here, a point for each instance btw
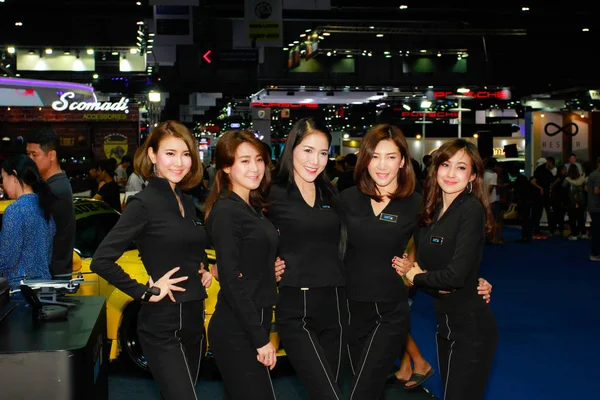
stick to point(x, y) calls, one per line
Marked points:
point(206, 56)
point(435, 114)
point(63, 104)
point(499, 94)
point(285, 105)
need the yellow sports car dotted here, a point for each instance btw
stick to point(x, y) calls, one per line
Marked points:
point(94, 220)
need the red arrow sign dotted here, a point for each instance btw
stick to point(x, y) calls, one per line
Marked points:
point(205, 56)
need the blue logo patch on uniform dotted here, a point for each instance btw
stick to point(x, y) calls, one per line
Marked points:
point(388, 217)
point(437, 240)
point(197, 222)
point(325, 207)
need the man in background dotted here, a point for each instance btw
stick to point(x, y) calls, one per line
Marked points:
point(593, 204)
point(42, 145)
point(346, 178)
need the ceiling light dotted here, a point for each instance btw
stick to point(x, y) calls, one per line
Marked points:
point(462, 90)
point(138, 3)
point(48, 51)
point(439, 54)
point(18, 23)
point(115, 53)
point(423, 51)
point(326, 33)
point(90, 51)
point(308, 30)
point(525, 8)
point(379, 35)
point(67, 52)
point(285, 49)
point(140, 23)
point(371, 27)
point(425, 104)
point(403, 7)
point(586, 29)
point(406, 107)
point(11, 50)
point(95, 76)
point(133, 51)
point(302, 34)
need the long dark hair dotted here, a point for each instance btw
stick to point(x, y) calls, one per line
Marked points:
point(301, 129)
point(406, 175)
point(225, 157)
point(433, 192)
point(285, 177)
point(27, 173)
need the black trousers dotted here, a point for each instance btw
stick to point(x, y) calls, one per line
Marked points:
point(539, 205)
point(378, 333)
point(312, 323)
point(466, 347)
point(577, 216)
point(172, 337)
point(244, 378)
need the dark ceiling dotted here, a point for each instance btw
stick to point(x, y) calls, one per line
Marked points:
point(543, 46)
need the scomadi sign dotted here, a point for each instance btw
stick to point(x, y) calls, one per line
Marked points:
point(64, 104)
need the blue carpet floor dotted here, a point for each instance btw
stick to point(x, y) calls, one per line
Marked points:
point(545, 298)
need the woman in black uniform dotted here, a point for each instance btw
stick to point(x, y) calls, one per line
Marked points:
point(382, 214)
point(160, 219)
point(246, 247)
point(310, 310)
point(449, 250)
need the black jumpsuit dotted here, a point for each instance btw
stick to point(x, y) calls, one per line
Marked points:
point(377, 297)
point(246, 246)
point(311, 307)
point(450, 250)
point(171, 334)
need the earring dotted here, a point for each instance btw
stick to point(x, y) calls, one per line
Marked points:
point(470, 184)
point(154, 169)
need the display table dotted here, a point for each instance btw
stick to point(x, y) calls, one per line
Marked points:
point(63, 360)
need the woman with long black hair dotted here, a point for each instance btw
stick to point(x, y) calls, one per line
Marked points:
point(27, 225)
point(311, 309)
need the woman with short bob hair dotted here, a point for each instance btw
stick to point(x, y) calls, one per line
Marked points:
point(144, 166)
point(450, 245)
point(171, 241)
point(246, 246)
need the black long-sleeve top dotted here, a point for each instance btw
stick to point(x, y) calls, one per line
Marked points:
point(246, 246)
point(165, 240)
point(373, 240)
point(450, 250)
point(309, 238)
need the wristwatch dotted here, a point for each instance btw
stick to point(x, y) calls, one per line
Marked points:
point(150, 291)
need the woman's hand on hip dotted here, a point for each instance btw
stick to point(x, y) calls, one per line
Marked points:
point(167, 286)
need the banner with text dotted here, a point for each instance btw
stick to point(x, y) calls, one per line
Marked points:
point(263, 20)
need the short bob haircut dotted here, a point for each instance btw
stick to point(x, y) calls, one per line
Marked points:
point(143, 165)
point(406, 175)
point(225, 157)
point(432, 193)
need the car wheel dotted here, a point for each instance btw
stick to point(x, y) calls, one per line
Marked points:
point(128, 337)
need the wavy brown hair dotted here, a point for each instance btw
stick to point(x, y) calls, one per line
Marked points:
point(143, 165)
point(225, 157)
point(432, 191)
point(406, 174)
